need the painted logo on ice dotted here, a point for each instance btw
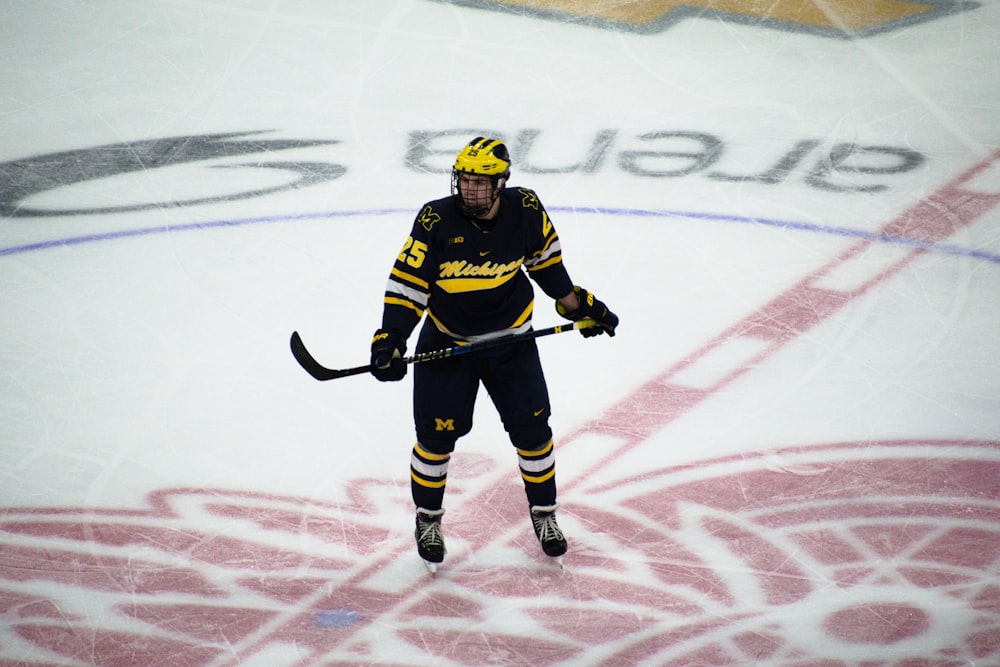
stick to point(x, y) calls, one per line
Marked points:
point(881, 553)
point(841, 18)
point(21, 180)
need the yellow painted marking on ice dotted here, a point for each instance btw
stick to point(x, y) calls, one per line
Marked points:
point(846, 15)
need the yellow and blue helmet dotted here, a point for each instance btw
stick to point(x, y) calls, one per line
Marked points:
point(484, 156)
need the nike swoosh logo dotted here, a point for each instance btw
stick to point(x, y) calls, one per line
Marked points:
point(538, 412)
point(483, 254)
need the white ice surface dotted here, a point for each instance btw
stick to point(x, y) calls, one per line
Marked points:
point(135, 363)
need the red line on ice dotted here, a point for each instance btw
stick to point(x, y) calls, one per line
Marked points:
point(802, 307)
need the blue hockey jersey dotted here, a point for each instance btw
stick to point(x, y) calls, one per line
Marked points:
point(472, 278)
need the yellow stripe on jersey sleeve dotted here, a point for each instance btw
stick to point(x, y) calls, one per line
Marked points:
point(410, 278)
point(548, 242)
point(396, 301)
point(552, 261)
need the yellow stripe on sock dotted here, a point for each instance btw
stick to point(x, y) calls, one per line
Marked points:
point(427, 484)
point(534, 453)
point(539, 479)
point(423, 453)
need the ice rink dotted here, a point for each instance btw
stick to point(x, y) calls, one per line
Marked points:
point(788, 456)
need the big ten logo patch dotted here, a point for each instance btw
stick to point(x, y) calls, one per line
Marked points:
point(837, 18)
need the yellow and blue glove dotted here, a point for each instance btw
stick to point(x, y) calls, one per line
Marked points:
point(590, 307)
point(388, 347)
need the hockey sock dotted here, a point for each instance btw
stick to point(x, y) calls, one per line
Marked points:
point(428, 476)
point(538, 470)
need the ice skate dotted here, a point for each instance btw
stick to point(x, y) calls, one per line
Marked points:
point(430, 539)
point(543, 519)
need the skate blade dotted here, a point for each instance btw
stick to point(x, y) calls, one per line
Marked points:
point(431, 567)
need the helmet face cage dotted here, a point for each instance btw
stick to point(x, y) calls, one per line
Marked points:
point(487, 157)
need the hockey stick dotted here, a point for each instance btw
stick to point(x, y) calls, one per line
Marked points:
point(322, 373)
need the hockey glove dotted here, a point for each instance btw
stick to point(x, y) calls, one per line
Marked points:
point(388, 347)
point(590, 307)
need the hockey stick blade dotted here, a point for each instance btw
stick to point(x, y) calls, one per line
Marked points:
point(322, 373)
point(316, 369)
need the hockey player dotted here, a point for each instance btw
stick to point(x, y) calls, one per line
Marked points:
point(466, 265)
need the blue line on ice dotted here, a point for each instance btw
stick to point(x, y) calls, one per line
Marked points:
point(941, 248)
